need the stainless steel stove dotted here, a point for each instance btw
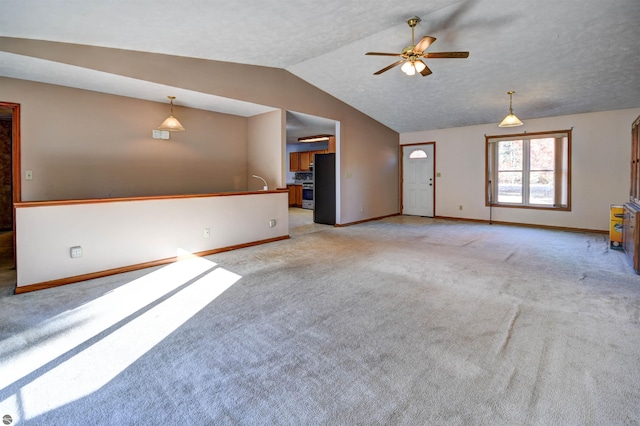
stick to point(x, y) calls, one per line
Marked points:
point(307, 195)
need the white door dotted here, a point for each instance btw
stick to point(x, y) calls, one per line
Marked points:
point(418, 179)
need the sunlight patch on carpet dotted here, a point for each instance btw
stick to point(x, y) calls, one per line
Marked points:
point(101, 361)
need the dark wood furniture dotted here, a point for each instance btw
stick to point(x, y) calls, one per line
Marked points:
point(631, 226)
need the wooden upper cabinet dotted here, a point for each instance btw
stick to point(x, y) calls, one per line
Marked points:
point(294, 161)
point(301, 161)
point(305, 160)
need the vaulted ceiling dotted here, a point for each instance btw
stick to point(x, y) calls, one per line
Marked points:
point(561, 57)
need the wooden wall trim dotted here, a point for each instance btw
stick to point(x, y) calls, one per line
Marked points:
point(338, 225)
point(529, 225)
point(114, 271)
point(127, 199)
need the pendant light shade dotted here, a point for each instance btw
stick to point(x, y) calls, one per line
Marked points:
point(171, 123)
point(510, 120)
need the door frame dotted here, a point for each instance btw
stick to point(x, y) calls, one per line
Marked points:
point(16, 170)
point(401, 155)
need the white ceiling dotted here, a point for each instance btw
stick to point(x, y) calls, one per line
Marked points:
point(560, 56)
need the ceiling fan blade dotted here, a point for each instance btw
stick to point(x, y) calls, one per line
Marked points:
point(446, 55)
point(426, 71)
point(423, 44)
point(388, 67)
point(383, 54)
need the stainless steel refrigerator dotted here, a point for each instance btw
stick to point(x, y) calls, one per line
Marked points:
point(324, 189)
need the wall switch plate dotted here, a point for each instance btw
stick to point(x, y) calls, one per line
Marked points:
point(207, 232)
point(160, 134)
point(75, 252)
point(28, 175)
point(438, 174)
point(272, 223)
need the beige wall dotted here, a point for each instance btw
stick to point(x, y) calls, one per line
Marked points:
point(82, 144)
point(266, 144)
point(368, 149)
point(601, 145)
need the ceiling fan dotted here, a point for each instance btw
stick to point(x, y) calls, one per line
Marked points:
point(412, 55)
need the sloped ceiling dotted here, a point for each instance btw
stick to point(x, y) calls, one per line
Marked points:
point(561, 57)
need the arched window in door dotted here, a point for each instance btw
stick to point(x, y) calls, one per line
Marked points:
point(418, 153)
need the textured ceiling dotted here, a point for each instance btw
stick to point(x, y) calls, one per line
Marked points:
point(561, 57)
point(303, 125)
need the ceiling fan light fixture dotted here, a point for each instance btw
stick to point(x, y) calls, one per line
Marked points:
point(510, 120)
point(408, 68)
point(410, 61)
point(171, 123)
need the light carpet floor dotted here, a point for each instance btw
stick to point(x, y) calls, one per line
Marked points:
point(402, 321)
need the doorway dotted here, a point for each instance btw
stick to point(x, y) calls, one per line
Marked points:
point(418, 179)
point(9, 192)
point(308, 134)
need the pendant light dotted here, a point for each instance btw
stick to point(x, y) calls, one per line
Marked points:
point(171, 123)
point(510, 120)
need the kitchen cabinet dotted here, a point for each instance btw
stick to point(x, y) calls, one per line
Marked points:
point(291, 195)
point(305, 161)
point(301, 161)
point(294, 161)
point(295, 195)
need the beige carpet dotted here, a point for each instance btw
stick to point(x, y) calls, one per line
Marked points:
point(401, 321)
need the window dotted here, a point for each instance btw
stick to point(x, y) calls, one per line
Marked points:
point(418, 153)
point(531, 170)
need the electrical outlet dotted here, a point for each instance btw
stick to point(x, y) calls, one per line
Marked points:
point(75, 252)
point(207, 232)
point(460, 208)
point(272, 223)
